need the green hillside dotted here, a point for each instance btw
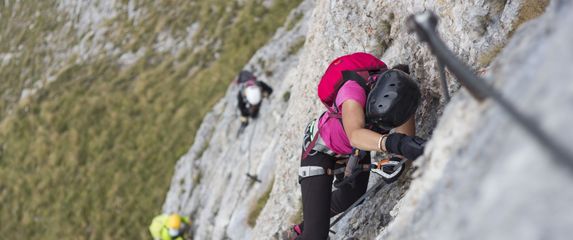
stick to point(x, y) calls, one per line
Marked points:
point(90, 156)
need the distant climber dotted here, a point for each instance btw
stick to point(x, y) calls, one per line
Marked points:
point(369, 108)
point(251, 92)
point(169, 227)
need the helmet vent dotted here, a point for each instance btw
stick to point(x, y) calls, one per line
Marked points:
point(386, 95)
point(380, 106)
point(392, 85)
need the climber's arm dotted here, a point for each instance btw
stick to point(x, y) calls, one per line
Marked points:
point(353, 122)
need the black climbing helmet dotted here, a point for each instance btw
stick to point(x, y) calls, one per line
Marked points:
point(393, 100)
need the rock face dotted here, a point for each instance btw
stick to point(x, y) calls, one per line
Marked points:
point(210, 181)
point(486, 188)
point(481, 176)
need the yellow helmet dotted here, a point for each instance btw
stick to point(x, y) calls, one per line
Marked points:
point(174, 221)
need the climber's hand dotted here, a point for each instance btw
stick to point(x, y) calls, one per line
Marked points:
point(350, 179)
point(352, 170)
point(244, 121)
point(410, 147)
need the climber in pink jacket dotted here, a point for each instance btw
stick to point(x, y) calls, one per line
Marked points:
point(370, 108)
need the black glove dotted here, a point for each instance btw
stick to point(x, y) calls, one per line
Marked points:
point(254, 111)
point(407, 146)
point(351, 179)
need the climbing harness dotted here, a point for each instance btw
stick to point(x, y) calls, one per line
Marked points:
point(313, 143)
point(424, 24)
point(311, 171)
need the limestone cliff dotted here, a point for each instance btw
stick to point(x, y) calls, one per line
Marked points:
point(481, 176)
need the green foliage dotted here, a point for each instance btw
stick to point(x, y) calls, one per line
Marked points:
point(296, 46)
point(286, 96)
point(198, 177)
point(21, 52)
point(91, 155)
point(295, 20)
point(487, 57)
point(257, 208)
point(297, 217)
point(202, 150)
point(531, 9)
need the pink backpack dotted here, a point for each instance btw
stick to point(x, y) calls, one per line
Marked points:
point(246, 79)
point(356, 67)
point(359, 67)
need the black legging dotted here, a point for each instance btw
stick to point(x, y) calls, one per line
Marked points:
point(320, 203)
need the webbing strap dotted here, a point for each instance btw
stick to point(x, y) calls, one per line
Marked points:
point(338, 171)
point(354, 76)
point(312, 145)
point(320, 146)
point(311, 171)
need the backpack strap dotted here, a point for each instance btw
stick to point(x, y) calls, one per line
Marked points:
point(308, 148)
point(353, 76)
point(350, 76)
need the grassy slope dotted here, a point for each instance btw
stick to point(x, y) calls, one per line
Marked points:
point(91, 155)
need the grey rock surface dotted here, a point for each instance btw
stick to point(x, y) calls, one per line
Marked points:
point(501, 184)
point(481, 175)
point(210, 181)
